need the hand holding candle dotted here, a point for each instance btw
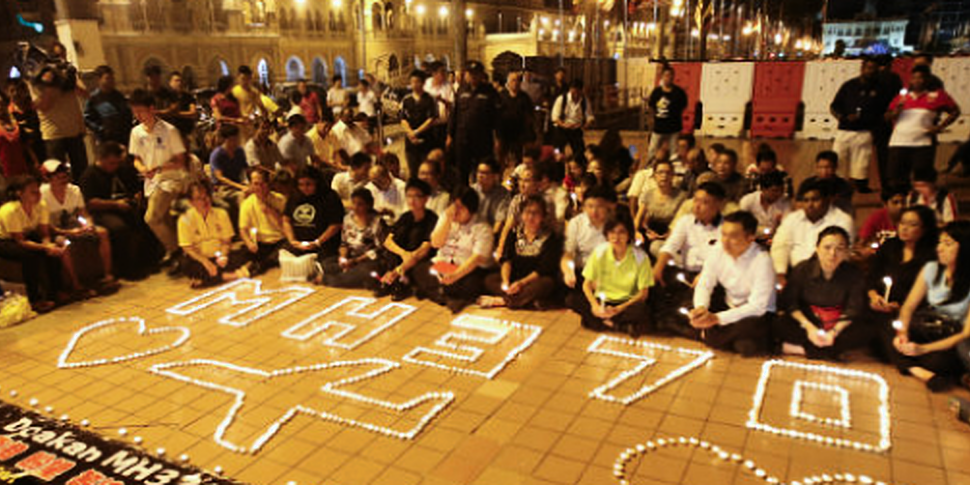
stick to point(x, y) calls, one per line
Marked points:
point(886, 280)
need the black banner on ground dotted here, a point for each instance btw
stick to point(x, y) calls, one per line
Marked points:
point(36, 449)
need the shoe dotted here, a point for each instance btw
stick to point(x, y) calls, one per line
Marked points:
point(938, 383)
point(745, 347)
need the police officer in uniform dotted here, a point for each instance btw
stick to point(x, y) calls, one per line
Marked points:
point(471, 130)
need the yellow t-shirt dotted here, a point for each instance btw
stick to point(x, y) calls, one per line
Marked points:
point(247, 99)
point(206, 234)
point(618, 281)
point(15, 220)
point(251, 215)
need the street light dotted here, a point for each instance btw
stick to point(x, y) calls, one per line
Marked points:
point(443, 11)
point(420, 9)
point(335, 4)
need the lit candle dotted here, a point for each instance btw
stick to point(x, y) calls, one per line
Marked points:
point(681, 277)
point(602, 298)
point(822, 333)
point(767, 231)
point(684, 311)
point(305, 244)
point(82, 220)
point(505, 287)
point(67, 242)
point(898, 325)
point(778, 286)
point(252, 233)
point(433, 272)
point(373, 274)
point(572, 265)
point(886, 280)
point(874, 245)
point(574, 197)
point(342, 260)
point(218, 254)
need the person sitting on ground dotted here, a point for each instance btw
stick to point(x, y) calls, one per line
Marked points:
point(430, 172)
point(408, 243)
point(261, 223)
point(351, 133)
point(70, 220)
point(455, 277)
point(325, 143)
point(575, 169)
point(643, 179)
point(741, 320)
point(25, 237)
point(927, 192)
point(389, 193)
point(826, 169)
point(261, 151)
point(295, 147)
point(556, 197)
point(494, 198)
point(361, 236)
point(893, 270)
point(658, 205)
point(528, 273)
point(769, 204)
point(881, 224)
point(578, 197)
point(313, 217)
point(931, 337)
point(616, 282)
point(356, 177)
point(825, 303)
point(228, 166)
point(766, 162)
point(694, 167)
point(392, 163)
point(726, 173)
point(797, 235)
point(583, 234)
point(205, 235)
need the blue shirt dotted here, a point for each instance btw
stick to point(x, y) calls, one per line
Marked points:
point(232, 167)
point(937, 292)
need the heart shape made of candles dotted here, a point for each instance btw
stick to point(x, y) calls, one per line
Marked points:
point(182, 334)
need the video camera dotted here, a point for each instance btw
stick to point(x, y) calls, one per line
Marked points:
point(42, 69)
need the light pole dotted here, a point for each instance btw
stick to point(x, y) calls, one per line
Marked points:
point(363, 43)
point(562, 36)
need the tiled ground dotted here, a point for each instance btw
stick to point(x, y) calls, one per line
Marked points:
point(534, 423)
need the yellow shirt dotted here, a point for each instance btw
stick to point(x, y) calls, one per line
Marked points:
point(247, 99)
point(15, 220)
point(206, 234)
point(618, 281)
point(323, 146)
point(251, 215)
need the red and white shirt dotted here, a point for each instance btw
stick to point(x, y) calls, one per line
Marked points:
point(918, 115)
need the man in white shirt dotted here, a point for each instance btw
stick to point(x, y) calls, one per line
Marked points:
point(572, 113)
point(769, 205)
point(797, 235)
point(455, 277)
point(366, 99)
point(160, 157)
point(742, 321)
point(493, 198)
point(389, 193)
point(337, 95)
point(350, 135)
point(345, 183)
point(583, 234)
point(444, 93)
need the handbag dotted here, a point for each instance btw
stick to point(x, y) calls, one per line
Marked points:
point(298, 268)
point(929, 325)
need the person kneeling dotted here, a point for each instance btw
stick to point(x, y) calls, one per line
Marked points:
point(825, 300)
point(361, 236)
point(205, 234)
point(617, 281)
point(455, 276)
point(529, 262)
point(741, 322)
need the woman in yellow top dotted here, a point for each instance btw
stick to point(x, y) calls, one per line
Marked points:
point(618, 277)
point(205, 234)
point(25, 237)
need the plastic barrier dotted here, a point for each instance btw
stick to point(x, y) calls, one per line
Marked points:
point(687, 75)
point(822, 81)
point(955, 74)
point(725, 91)
point(777, 94)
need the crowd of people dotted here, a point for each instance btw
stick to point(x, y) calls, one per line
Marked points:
point(493, 208)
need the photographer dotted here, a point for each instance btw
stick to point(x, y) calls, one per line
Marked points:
point(57, 94)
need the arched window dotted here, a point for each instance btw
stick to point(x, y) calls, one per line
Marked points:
point(320, 73)
point(392, 64)
point(188, 78)
point(377, 16)
point(262, 72)
point(294, 69)
point(340, 67)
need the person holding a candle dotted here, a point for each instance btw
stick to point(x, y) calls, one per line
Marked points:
point(928, 336)
point(584, 233)
point(528, 274)
point(261, 223)
point(313, 217)
point(616, 282)
point(408, 243)
point(658, 205)
point(362, 233)
point(205, 236)
point(825, 303)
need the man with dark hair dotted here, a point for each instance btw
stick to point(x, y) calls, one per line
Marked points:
point(666, 105)
point(571, 114)
point(356, 177)
point(442, 91)
point(418, 113)
point(106, 112)
point(183, 112)
point(826, 170)
point(881, 224)
point(367, 103)
point(408, 243)
point(309, 102)
point(857, 107)
point(455, 276)
point(768, 204)
point(583, 234)
point(725, 173)
point(933, 82)
point(741, 320)
point(927, 192)
point(296, 148)
point(516, 126)
point(337, 96)
point(471, 132)
point(228, 166)
point(249, 98)
point(61, 121)
point(798, 233)
point(160, 156)
point(313, 217)
point(494, 198)
point(159, 91)
point(919, 115)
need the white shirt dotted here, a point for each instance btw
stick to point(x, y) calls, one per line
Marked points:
point(351, 138)
point(336, 97)
point(642, 180)
point(155, 148)
point(692, 241)
point(438, 202)
point(444, 95)
point(391, 199)
point(465, 241)
point(748, 282)
point(367, 102)
point(343, 184)
point(581, 239)
point(768, 218)
point(73, 202)
point(797, 236)
point(574, 110)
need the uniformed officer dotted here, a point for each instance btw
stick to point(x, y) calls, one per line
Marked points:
point(471, 130)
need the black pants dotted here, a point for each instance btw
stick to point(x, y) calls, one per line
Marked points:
point(134, 249)
point(903, 161)
point(573, 138)
point(748, 336)
point(415, 155)
point(667, 301)
point(71, 149)
point(455, 296)
point(194, 269)
point(537, 291)
point(357, 276)
point(961, 156)
point(635, 319)
point(267, 256)
point(858, 334)
point(42, 273)
point(949, 362)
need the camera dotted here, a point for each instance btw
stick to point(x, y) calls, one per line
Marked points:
point(43, 69)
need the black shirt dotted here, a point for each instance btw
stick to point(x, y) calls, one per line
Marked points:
point(311, 215)
point(860, 97)
point(473, 123)
point(541, 256)
point(108, 115)
point(182, 102)
point(808, 288)
point(668, 109)
point(410, 234)
point(515, 118)
point(95, 183)
point(888, 261)
point(417, 111)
